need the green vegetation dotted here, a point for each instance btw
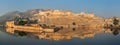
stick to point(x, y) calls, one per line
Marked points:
point(115, 21)
point(22, 22)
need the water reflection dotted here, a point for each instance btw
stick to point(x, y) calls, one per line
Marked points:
point(115, 32)
point(64, 34)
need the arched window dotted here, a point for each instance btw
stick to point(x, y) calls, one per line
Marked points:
point(74, 23)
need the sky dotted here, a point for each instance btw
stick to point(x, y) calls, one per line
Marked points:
point(103, 8)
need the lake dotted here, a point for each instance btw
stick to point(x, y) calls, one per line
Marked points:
point(98, 39)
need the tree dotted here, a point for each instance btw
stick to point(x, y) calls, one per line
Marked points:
point(22, 22)
point(115, 21)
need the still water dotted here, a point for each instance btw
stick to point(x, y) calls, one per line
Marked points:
point(98, 39)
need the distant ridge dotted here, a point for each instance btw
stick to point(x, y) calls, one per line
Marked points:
point(12, 15)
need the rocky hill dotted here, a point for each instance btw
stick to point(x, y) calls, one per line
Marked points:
point(12, 15)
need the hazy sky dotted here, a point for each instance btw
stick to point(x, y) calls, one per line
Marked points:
point(104, 8)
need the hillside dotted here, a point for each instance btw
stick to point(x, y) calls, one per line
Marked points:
point(12, 15)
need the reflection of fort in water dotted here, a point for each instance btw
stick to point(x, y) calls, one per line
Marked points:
point(80, 33)
point(61, 33)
